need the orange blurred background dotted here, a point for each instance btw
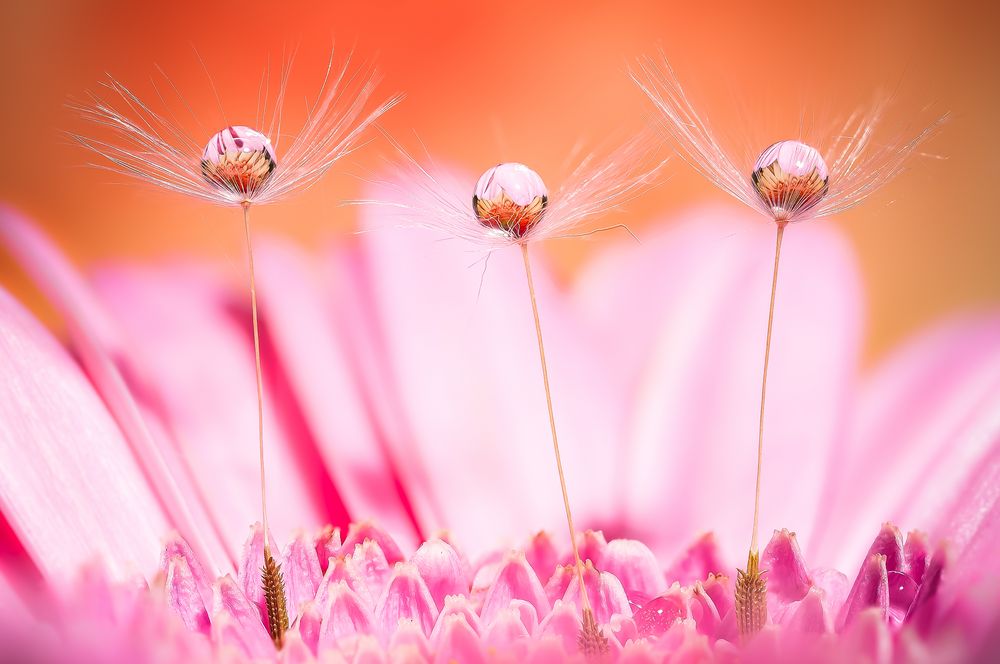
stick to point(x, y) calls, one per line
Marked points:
point(523, 81)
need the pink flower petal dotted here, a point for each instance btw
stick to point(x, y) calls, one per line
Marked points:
point(927, 417)
point(296, 306)
point(541, 554)
point(250, 568)
point(310, 625)
point(635, 566)
point(190, 337)
point(787, 577)
point(327, 545)
point(243, 618)
point(339, 571)
point(870, 592)
point(301, 572)
point(699, 561)
point(477, 352)
point(99, 345)
point(55, 432)
point(406, 597)
point(458, 643)
point(694, 302)
point(457, 606)
point(441, 570)
point(507, 633)
point(344, 614)
point(607, 597)
point(515, 580)
point(358, 533)
point(184, 595)
point(368, 563)
point(563, 623)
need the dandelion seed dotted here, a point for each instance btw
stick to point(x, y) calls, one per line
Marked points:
point(239, 166)
point(511, 206)
point(790, 181)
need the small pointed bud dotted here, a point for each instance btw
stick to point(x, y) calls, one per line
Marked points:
point(605, 592)
point(295, 651)
point(345, 614)
point(921, 611)
point(368, 562)
point(870, 590)
point(406, 597)
point(527, 614)
point(507, 632)
point(176, 546)
point(441, 569)
point(248, 574)
point(239, 159)
point(367, 650)
point(591, 545)
point(697, 562)
point(515, 580)
point(787, 576)
point(791, 178)
point(309, 625)
point(409, 637)
point(358, 533)
point(230, 602)
point(547, 650)
point(457, 642)
point(704, 612)
point(339, 571)
point(510, 198)
point(328, 545)
point(457, 605)
point(915, 555)
point(868, 638)
point(635, 566)
point(301, 572)
point(563, 623)
point(809, 615)
point(541, 554)
point(184, 597)
point(556, 587)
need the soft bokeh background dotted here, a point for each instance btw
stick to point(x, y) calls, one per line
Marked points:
point(526, 81)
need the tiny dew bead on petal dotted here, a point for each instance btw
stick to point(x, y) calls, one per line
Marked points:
point(510, 197)
point(239, 158)
point(790, 177)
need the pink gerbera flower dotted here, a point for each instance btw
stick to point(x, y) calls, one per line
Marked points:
point(105, 451)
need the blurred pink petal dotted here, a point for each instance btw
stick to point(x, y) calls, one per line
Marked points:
point(71, 490)
point(187, 338)
point(690, 299)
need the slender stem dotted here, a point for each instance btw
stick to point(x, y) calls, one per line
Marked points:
point(763, 384)
point(585, 600)
point(260, 381)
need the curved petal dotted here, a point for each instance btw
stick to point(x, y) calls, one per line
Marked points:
point(192, 341)
point(684, 316)
point(925, 421)
point(474, 351)
point(296, 305)
point(97, 342)
point(77, 493)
